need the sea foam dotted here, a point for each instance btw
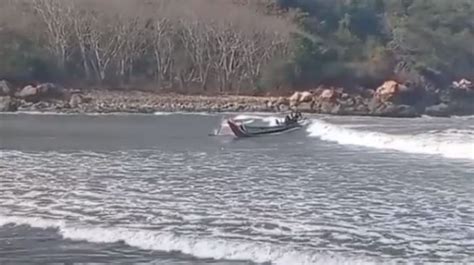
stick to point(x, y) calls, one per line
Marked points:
point(200, 247)
point(450, 143)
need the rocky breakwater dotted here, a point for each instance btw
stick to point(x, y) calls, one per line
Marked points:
point(143, 102)
point(50, 97)
point(391, 99)
point(35, 97)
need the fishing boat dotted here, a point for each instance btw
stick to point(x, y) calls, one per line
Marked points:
point(241, 130)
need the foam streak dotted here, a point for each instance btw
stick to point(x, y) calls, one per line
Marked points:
point(429, 143)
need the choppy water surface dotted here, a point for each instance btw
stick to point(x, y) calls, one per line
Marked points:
point(159, 189)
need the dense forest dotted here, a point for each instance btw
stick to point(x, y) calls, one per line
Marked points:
point(237, 46)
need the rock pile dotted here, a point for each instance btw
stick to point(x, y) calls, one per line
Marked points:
point(390, 99)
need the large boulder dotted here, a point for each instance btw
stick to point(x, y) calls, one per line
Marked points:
point(399, 94)
point(306, 97)
point(28, 93)
point(387, 92)
point(46, 91)
point(75, 100)
point(6, 89)
point(300, 97)
point(328, 95)
point(8, 104)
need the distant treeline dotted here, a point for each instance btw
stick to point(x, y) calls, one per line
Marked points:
point(237, 46)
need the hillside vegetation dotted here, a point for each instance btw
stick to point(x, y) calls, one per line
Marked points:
point(237, 46)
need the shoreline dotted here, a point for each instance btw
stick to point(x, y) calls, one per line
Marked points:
point(139, 102)
point(205, 113)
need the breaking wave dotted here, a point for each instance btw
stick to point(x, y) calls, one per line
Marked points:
point(450, 143)
point(200, 247)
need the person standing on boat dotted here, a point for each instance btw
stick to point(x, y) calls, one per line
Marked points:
point(288, 119)
point(298, 116)
point(291, 118)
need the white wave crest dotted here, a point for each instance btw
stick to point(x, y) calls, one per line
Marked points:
point(447, 143)
point(200, 247)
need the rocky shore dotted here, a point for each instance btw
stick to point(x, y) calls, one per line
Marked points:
point(389, 100)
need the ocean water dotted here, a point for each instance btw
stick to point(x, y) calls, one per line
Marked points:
point(158, 189)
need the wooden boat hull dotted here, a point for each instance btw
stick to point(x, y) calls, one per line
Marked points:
point(241, 130)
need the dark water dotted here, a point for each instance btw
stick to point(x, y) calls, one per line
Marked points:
point(157, 189)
